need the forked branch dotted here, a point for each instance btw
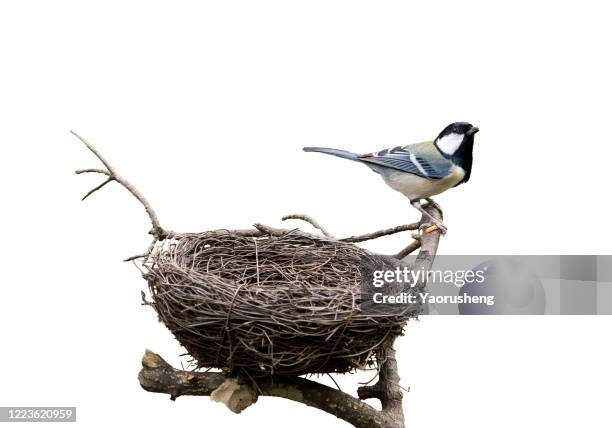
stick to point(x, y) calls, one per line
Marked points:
point(308, 219)
point(112, 175)
point(380, 233)
point(365, 237)
point(160, 233)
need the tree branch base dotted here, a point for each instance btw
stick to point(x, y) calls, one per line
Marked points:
point(159, 376)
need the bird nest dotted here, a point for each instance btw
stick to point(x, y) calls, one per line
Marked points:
point(268, 305)
point(267, 301)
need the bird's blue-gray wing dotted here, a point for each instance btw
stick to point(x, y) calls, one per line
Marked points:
point(422, 159)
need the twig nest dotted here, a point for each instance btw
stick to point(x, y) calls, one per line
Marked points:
point(266, 304)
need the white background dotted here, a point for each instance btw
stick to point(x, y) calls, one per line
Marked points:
point(205, 107)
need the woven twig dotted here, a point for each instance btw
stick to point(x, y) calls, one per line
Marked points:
point(284, 305)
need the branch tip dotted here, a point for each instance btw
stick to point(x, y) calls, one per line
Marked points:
point(113, 176)
point(310, 220)
point(151, 360)
point(380, 233)
point(95, 189)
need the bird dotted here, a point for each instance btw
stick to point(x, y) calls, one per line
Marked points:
point(422, 170)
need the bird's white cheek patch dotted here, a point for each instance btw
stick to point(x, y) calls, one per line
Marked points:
point(450, 143)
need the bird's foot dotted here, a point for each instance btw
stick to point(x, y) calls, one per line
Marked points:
point(428, 227)
point(432, 203)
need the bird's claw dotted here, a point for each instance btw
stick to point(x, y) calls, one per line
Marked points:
point(428, 227)
point(424, 226)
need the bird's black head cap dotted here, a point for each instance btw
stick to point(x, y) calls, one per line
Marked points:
point(460, 128)
point(456, 142)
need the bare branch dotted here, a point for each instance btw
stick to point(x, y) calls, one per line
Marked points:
point(156, 230)
point(310, 220)
point(158, 376)
point(95, 189)
point(97, 170)
point(384, 232)
point(95, 152)
point(147, 253)
point(429, 242)
point(269, 230)
point(409, 249)
point(359, 238)
point(387, 389)
point(135, 257)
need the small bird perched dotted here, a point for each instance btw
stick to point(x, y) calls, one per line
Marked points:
point(421, 170)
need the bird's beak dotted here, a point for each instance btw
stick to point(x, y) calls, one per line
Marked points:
point(473, 130)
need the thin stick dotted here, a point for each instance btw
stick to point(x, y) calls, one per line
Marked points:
point(157, 230)
point(96, 153)
point(269, 230)
point(136, 257)
point(384, 232)
point(334, 381)
point(412, 247)
point(308, 219)
point(95, 189)
point(256, 260)
point(99, 171)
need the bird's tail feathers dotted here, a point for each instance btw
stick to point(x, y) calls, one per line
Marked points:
point(334, 152)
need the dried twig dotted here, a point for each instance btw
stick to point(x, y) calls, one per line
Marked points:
point(409, 249)
point(112, 175)
point(158, 376)
point(310, 220)
point(357, 238)
point(269, 230)
point(95, 189)
point(384, 232)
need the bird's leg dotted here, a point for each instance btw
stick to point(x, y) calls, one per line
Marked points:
point(417, 204)
point(434, 204)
